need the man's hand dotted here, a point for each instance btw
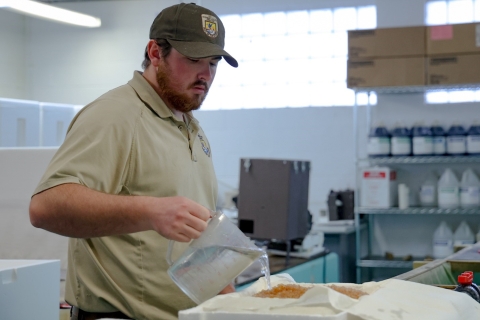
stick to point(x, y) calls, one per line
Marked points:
point(178, 218)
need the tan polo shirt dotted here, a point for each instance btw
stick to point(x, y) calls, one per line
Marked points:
point(127, 142)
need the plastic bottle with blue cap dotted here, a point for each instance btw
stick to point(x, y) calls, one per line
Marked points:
point(439, 140)
point(379, 141)
point(422, 140)
point(473, 139)
point(401, 140)
point(456, 140)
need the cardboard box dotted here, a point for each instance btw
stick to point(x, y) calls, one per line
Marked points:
point(386, 43)
point(29, 289)
point(407, 71)
point(378, 187)
point(453, 39)
point(454, 69)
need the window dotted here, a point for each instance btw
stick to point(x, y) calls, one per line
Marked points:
point(288, 59)
point(452, 12)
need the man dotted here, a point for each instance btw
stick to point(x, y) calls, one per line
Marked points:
point(135, 170)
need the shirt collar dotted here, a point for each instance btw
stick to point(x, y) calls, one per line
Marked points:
point(149, 96)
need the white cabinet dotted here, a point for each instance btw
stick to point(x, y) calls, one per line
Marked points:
point(394, 237)
point(29, 289)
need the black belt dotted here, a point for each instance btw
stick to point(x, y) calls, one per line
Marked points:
point(79, 314)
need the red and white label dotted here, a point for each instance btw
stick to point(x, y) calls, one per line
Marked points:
point(375, 174)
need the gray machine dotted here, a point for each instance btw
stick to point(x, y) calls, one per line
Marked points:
point(273, 199)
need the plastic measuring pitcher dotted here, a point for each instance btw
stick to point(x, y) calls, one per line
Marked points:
point(214, 260)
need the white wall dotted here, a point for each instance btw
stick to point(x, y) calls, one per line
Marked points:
point(320, 135)
point(13, 41)
point(50, 62)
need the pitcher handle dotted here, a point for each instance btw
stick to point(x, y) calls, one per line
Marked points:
point(169, 252)
point(171, 242)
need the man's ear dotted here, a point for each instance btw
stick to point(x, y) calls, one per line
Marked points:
point(154, 52)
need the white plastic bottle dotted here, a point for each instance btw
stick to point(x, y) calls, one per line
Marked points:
point(469, 190)
point(442, 241)
point(403, 196)
point(448, 190)
point(379, 141)
point(428, 191)
point(456, 140)
point(473, 139)
point(422, 141)
point(439, 140)
point(463, 235)
point(400, 141)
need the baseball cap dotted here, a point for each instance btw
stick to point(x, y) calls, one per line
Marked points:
point(192, 30)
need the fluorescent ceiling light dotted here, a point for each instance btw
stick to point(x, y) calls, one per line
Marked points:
point(50, 12)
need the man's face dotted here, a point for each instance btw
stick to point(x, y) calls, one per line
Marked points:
point(184, 82)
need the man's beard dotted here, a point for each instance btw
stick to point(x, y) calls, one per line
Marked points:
point(177, 100)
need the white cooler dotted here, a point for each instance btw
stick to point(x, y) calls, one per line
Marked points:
point(29, 289)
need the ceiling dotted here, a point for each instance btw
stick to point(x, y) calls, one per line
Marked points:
point(54, 1)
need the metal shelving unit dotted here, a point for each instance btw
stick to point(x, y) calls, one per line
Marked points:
point(418, 210)
point(372, 261)
point(381, 262)
point(418, 89)
point(421, 160)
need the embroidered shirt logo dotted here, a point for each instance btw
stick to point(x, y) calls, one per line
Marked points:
point(210, 25)
point(205, 146)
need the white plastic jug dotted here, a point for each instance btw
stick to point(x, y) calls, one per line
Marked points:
point(469, 190)
point(428, 191)
point(442, 241)
point(448, 190)
point(463, 235)
point(214, 260)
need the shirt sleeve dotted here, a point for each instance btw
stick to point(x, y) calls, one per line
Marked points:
point(97, 149)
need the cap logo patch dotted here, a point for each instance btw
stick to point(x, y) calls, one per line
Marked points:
point(209, 25)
